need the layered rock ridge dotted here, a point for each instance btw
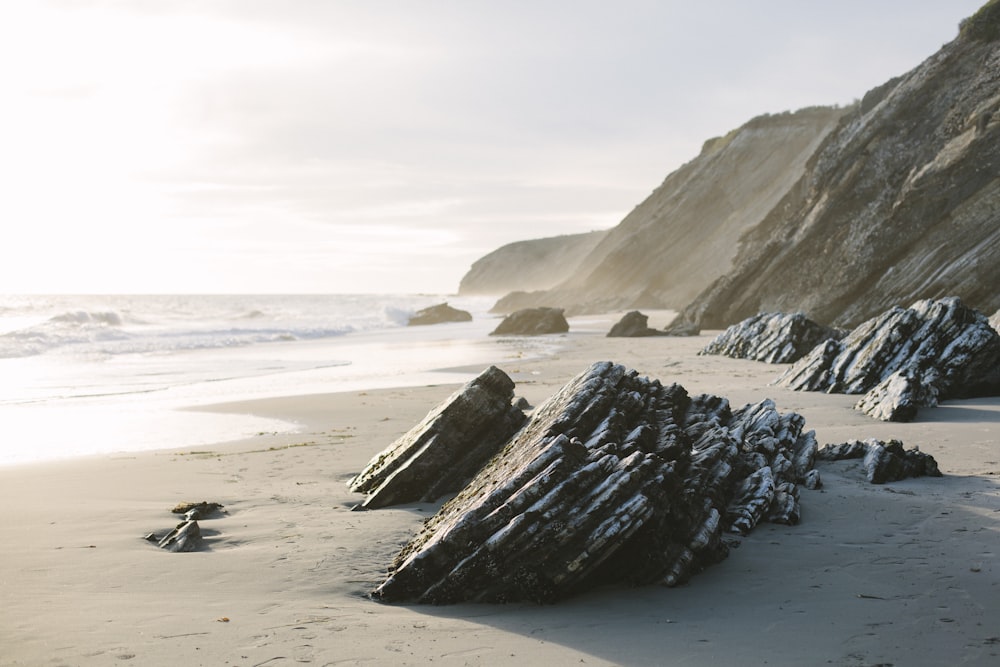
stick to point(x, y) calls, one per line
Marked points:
point(615, 479)
point(905, 359)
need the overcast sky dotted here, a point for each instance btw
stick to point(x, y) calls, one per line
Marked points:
point(153, 146)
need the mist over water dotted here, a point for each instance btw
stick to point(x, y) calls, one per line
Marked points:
point(84, 375)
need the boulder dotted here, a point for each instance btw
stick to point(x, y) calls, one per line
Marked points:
point(441, 453)
point(616, 479)
point(532, 322)
point(442, 312)
point(774, 338)
point(883, 461)
point(633, 325)
point(907, 358)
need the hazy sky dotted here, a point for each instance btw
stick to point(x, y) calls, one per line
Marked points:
point(336, 146)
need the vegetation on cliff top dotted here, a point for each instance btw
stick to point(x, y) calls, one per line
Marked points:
point(984, 25)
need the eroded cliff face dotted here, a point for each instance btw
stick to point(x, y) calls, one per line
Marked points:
point(836, 213)
point(901, 202)
point(686, 233)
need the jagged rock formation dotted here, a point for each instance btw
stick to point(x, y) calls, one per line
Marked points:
point(883, 461)
point(529, 265)
point(686, 233)
point(899, 397)
point(899, 203)
point(615, 479)
point(441, 453)
point(438, 314)
point(906, 358)
point(775, 338)
point(532, 322)
point(633, 325)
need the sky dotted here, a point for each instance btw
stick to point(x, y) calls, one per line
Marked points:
point(335, 146)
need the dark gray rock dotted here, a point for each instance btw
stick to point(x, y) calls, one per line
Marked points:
point(185, 537)
point(883, 461)
point(774, 338)
point(633, 325)
point(615, 479)
point(439, 314)
point(441, 453)
point(908, 358)
point(532, 322)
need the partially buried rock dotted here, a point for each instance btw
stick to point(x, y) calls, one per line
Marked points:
point(633, 325)
point(883, 461)
point(194, 511)
point(438, 314)
point(449, 446)
point(186, 536)
point(615, 479)
point(533, 322)
point(906, 358)
point(774, 338)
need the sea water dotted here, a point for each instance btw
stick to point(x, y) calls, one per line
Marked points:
point(82, 375)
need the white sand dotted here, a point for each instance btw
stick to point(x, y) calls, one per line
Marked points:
point(902, 574)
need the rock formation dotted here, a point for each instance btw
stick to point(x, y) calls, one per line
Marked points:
point(441, 453)
point(532, 322)
point(633, 325)
point(775, 338)
point(438, 314)
point(615, 479)
point(883, 461)
point(906, 358)
point(186, 536)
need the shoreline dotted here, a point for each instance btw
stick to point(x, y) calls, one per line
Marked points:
point(903, 573)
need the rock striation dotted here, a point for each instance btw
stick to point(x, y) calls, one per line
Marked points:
point(905, 359)
point(633, 325)
point(533, 322)
point(774, 338)
point(441, 453)
point(615, 479)
point(883, 461)
point(439, 314)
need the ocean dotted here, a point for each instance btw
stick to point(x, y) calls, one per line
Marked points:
point(85, 375)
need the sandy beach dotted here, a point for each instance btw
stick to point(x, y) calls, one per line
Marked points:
point(900, 574)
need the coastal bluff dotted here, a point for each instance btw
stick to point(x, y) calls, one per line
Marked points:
point(838, 213)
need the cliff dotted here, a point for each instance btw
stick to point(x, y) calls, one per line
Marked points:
point(686, 233)
point(529, 265)
point(901, 202)
point(836, 213)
